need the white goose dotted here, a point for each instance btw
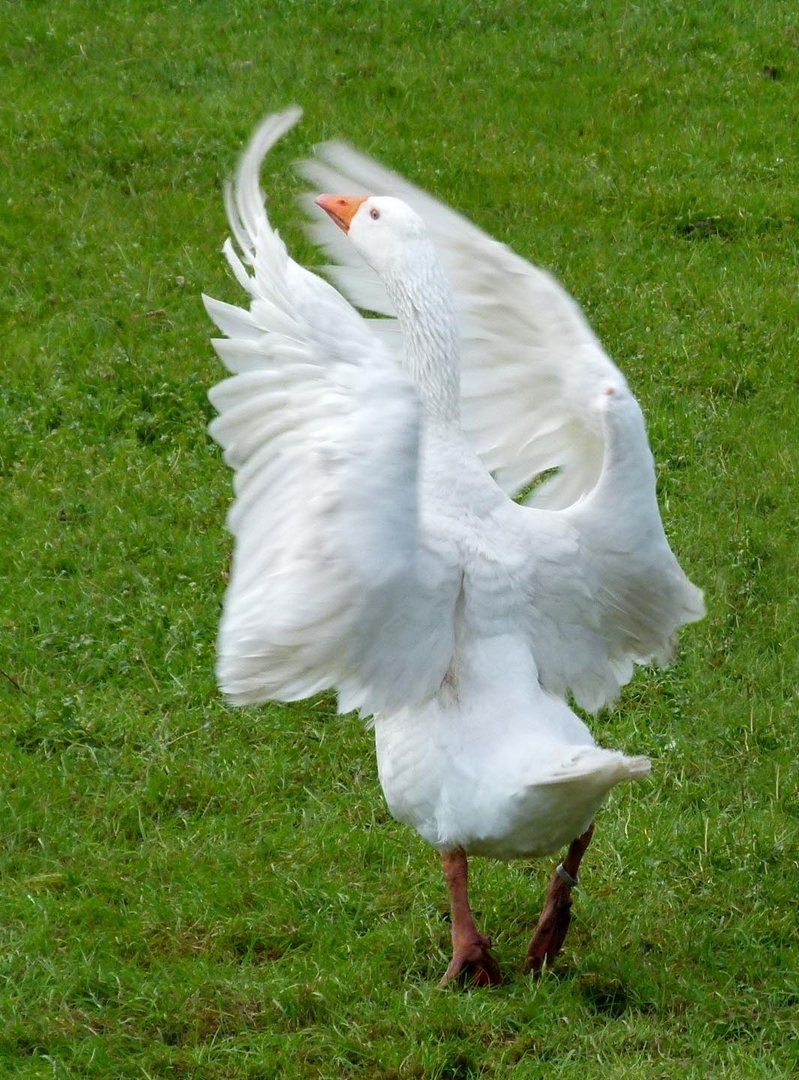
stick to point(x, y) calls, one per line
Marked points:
point(378, 551)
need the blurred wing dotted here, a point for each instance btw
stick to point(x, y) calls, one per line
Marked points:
point(532, 367)
point(606, 590)
point(332, 585)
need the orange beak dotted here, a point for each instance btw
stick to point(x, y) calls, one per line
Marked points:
point(341, 208)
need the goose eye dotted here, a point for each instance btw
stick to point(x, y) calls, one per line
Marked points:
point(374, 214)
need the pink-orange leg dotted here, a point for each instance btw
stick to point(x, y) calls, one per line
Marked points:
point(470, 955)
point(555, 918)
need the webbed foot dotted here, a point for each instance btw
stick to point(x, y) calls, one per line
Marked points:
point(550, 933)
point(470, 956)
point(473, 961)
point(553, 925)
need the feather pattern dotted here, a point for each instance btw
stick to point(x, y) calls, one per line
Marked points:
point(375, 553)
point(330, 585)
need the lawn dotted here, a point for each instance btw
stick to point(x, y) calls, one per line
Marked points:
point(194, 891)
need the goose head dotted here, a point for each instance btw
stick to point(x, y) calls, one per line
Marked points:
point(387, 233)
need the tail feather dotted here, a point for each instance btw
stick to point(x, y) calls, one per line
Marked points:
point(605, 767)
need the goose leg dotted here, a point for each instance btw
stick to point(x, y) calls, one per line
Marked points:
point(470, 953)
point(554, 922)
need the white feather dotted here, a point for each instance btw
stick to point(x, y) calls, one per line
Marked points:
point(531, 367)
point(375, 555)
point(322, 428)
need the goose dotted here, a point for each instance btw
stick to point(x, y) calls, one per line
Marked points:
point(381, 549)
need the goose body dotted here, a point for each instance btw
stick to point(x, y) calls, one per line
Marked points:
point(491, 763)
point(377, 549)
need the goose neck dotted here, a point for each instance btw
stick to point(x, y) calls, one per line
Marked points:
point(426, 312)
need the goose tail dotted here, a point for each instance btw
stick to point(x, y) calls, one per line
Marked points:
point(604, 767)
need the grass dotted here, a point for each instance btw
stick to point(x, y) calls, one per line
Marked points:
point(193, 891)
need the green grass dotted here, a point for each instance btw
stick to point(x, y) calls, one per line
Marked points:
point(192, 891)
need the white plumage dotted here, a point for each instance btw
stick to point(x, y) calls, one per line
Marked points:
point(377, 550)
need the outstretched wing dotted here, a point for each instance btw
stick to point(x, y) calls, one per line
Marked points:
point(606, 591)
point(538, 394)
point(332, 585)
point(532, 368)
